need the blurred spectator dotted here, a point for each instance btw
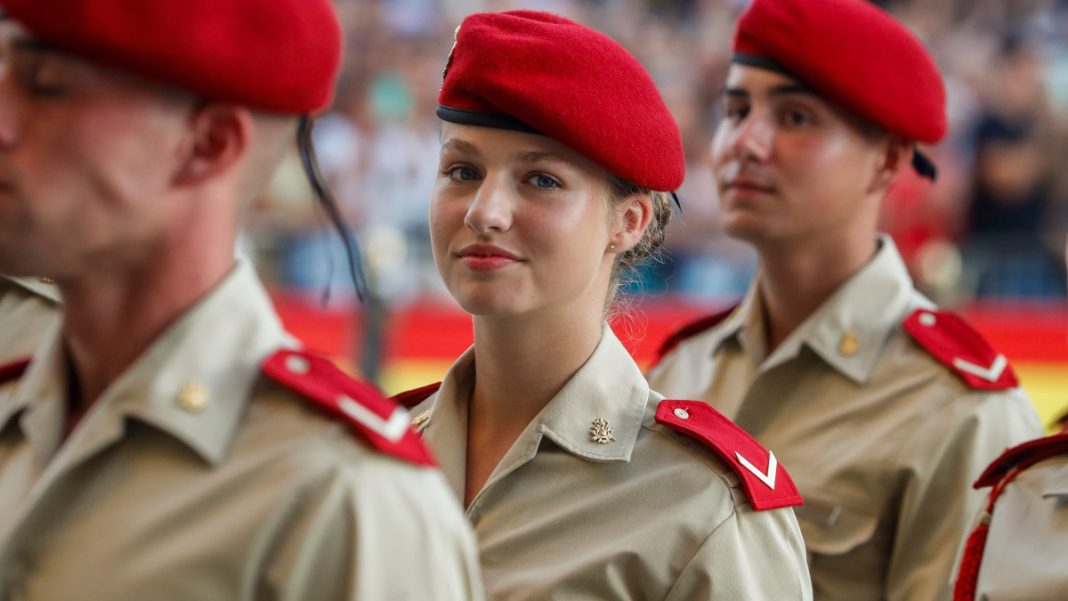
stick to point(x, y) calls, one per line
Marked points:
point(982, 229)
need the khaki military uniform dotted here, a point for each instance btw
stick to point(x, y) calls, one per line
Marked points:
point(194, 478)
point(596, 501)
point(1025, 548)
point(882, 439)
point(28, 307)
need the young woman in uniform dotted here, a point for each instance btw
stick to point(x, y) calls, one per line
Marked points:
point(582, 483)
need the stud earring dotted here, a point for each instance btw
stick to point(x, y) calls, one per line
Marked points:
point(611, 247)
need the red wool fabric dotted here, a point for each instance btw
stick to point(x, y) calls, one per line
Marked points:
point(274, 55)
point(856, 55)
point(568, 82)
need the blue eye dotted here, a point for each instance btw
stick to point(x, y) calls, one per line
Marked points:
point(461, 173)
point(543, 182)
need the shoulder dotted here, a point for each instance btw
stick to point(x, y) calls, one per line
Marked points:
point(1023, 456)
point(376, 420)
point(961, 349)
point(690, 330)
point(767, 484)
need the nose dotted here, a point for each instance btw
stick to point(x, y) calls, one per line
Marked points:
point(751, 138)
point(491, 208)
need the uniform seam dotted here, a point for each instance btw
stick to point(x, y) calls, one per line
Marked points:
point(700, 547)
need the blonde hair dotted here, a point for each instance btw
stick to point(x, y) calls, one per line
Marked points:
point(648, 248)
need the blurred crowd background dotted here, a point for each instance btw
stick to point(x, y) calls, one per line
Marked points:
point(990, 232)
point(993, 227)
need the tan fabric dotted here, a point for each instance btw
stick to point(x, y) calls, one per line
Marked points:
point(651, 515)
point(28, 307)
point(882, 440)
point(1026, 556)
point(252, 496)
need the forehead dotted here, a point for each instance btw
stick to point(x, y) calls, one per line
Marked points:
point(757, 80)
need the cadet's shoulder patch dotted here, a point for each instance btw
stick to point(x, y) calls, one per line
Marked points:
point(379, 421)
point(13, 370)
point(768, 487)
point(958, 346)
point(409, 399)
point(688, 331)
point(1023, 456)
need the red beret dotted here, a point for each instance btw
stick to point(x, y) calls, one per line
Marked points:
point(275, 55)
point(853, 53)
point(538, 72)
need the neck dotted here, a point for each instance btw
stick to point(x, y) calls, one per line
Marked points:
point(115, 310)
point(521, 363)
point(797, 279)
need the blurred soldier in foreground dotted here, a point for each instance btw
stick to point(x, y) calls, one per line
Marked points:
point(169, 440)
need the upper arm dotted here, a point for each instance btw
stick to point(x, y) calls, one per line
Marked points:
point(751, 555)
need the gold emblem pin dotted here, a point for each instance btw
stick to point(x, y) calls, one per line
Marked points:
point(448, 61)
point(601, 432)
point(193, 397)
point(848, 345)
point(420, 421)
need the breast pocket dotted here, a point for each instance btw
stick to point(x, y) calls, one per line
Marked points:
point(833, 528)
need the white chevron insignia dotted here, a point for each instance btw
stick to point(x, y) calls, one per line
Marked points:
point(990, 374)
point(392, 429)
point(768, 478)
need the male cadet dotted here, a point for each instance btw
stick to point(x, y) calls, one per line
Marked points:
point(28, 306)
point(167, 441)
point(885, 408)
point(1017, 549)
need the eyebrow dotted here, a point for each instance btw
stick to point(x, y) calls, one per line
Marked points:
point(460, 146)
point(536, 156)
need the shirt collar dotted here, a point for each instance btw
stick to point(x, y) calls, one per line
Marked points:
point(849, 330)
point(37, 286)
point(192, 382)
point(608, 387)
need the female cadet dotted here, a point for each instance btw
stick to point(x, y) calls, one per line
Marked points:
point(580, 481)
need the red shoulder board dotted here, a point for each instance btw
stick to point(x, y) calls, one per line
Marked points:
point(379, 421)
point(409, 399)
point(1023, 456)
point(689, 330)
point(767, 484)
point(13, 370)
point(961, 348)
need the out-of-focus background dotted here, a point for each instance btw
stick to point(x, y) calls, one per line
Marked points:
point(987, 240)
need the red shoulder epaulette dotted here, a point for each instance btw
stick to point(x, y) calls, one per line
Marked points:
point(409, 399)
point(689, 330)
point(767, 488)
point(379, 421)
point(1023, 456)
point(13, 370)
point(961, 348)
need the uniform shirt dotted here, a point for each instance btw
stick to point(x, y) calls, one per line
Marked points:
point(27, 308)
point(194, 478)
point(883, 441)
point(648, 515)
point(1026, 546)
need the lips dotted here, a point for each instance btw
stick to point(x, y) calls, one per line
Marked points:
point(486, 257)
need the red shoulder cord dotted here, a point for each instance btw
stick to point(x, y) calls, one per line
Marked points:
point(968, 576)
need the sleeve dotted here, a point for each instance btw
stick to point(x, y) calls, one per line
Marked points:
point(751, 555)
point(378, 531)
point(941, 460)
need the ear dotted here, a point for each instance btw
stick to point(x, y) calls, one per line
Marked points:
point(896, 155)
point(633, 216)
point(219, 136)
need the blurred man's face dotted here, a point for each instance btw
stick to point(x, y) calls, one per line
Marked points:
point(85, 154)
point(791, 166)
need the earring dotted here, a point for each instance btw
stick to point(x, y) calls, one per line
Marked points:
point(611, 247)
